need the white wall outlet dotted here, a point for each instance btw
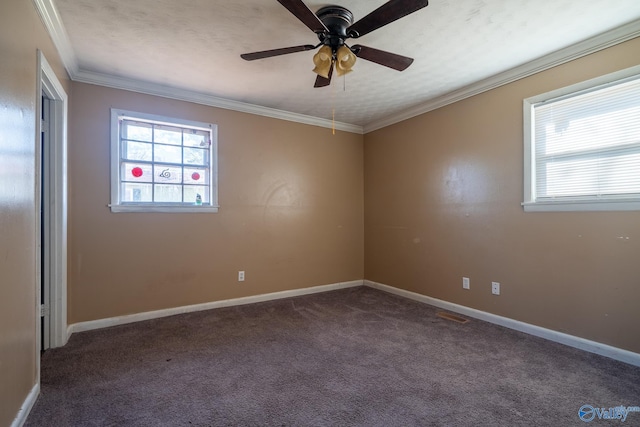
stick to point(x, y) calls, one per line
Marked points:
point(465, 283)
point(240, 276)
point(495, 288)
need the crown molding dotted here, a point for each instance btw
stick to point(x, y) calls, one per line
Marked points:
point(594, 44)
point(52, 22)
point(210, 100)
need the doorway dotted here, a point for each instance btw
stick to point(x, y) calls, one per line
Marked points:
point(44, 213)
point(51, 210)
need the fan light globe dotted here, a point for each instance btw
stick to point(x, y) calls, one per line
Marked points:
point(323, 61)
point(345, 60)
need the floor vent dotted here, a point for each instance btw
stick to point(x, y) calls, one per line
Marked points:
point(453, 317)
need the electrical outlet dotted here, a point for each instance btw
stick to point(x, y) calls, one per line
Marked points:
point(240, 276)
point(495, 288)
point(465, 283)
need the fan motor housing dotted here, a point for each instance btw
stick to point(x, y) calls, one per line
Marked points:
point(337, 19)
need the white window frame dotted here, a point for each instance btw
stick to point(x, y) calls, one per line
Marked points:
point(530, 203)
point(118, 206)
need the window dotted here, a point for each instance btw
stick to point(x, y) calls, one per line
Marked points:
point(582, 146)
point(160, 164)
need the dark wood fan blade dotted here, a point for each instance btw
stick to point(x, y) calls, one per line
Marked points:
point(276, 52)
point(385, 14)
point(391, 60)
point(322, 82)
point(304, 14)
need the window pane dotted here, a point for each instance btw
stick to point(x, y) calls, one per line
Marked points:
point(196, 156)
point(136, 172)
point(167, 175)
point(592, 177)
point(139, 131)
point(167, 193)
point(137, 150)
point(593, 131)
point(196, 175)
point(620, 174)
point(167, 135)
point(167, 154)
point(571, 178)
point(191, 192)
point(196, 138)
point(135, 192)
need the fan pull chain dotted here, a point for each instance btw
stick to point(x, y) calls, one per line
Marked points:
point(333, 123)
point(333, 108)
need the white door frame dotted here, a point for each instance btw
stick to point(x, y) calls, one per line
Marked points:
point(48, 84)
point(46, 188)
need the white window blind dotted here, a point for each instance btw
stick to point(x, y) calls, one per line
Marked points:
point(585, 145)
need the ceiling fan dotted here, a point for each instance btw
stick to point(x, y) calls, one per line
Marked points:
point(334, 25)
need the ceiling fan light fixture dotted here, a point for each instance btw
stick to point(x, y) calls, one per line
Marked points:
point(333, 25)
point(323, 61)
point(345, 60)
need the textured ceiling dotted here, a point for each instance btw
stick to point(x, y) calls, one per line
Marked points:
point(196, 45)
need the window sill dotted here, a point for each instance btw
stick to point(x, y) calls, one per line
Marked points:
point(163, 209)
point(582, 206)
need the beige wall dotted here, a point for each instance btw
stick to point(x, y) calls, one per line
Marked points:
point(442, 201)
point(21, 34)
point(291, 213)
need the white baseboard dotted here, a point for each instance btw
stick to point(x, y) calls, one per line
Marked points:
point(121, 320)
point(551, 335)
point(24, 411)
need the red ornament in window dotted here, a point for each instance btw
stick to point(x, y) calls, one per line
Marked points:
point(137, 172)
point(195, 176)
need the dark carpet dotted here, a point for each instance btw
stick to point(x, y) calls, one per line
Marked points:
point(354, 357)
